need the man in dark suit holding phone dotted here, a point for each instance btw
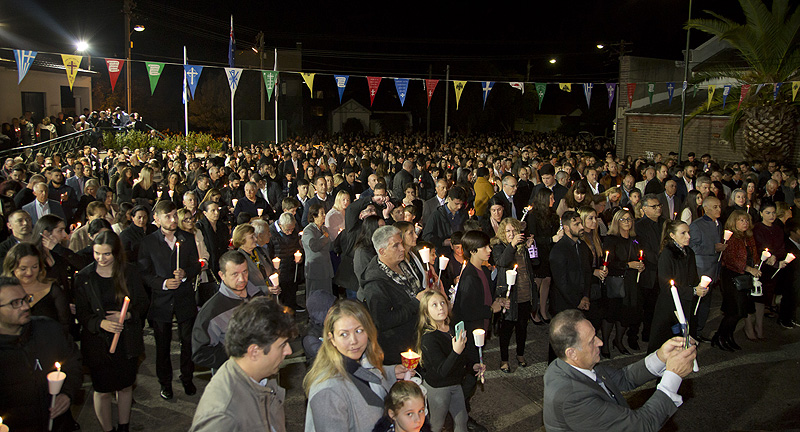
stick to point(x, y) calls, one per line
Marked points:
point(169, 263)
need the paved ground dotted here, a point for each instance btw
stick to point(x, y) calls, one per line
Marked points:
point(753, 390)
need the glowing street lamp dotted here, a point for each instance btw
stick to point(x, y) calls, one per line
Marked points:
point(82, 46)
point(600, 46)
point(552, 61)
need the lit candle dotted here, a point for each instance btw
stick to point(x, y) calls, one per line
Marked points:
point(171, 193)
point(298, 256)
point(410, 360)
point(789, 258)
point(605, 261)
point(159, 194)
point(3, 428)
point(276, 263)
point(234, 201)
point(122, 314)
point(765, 255)
point(358, 196)
point(727, 235)
point(177, 255)
point(705, 281)
point(274, 278)
point(479, 335)
point(511, 279)
point(425, 255)
point(641, 258)
point(55, 380)
point(260, 212)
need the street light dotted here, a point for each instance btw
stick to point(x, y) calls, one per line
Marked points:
point(138, 28)
point(82, 46)
point(127, 10)
point(600, 46)
point(552, 61)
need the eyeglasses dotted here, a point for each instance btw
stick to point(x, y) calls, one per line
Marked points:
point(626, 220)
point(654, 206)
point(17, 303)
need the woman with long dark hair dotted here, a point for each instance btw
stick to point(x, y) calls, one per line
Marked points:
point(363, 250)
point(101, 288)
point(692, 207)
point(576, 196)
point(125, 186)
point(768, 235)
point(543, 224)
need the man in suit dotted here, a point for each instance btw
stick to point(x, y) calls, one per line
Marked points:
point(401, 179)
point(321, 196)
point(687, 183)
point(648, 232)
point(446, 220)
point(429, 206)
point(662, 174)
point(581, 395)
point(706, 242)
point(789, 278)
point(169, 271)
point(548, 175)
point(670, 201)
point(62, 193)
point(77, 181)
point(506, 196)
point(292, 165)
point(42, 205)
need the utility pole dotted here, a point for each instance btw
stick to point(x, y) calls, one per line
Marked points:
point(684, 88)
point(617, 117)
point(446, 101)
point(260, 44)
point(127, 8)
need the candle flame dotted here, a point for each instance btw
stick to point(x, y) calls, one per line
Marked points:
point(58, 366)
point(672, 282)
point(515, 267)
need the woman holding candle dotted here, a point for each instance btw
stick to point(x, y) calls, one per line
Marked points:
point(676, 266)
point(348, 382)
point(768, 235)
point(624, 308)
point(144, 192)
point(575, 197)
point(692, 207)
point(413, 256)
point(101, 288)
point(741, 260)
point(258, 265)
point(316, 243)
point(186, 222)
point(334, 219)
point(491, 224)
point(443, 363)
point(510, 251)
point(543, 225)
point(598, 303)
point(215, 233)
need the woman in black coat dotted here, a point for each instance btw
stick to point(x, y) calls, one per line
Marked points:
point(675, 263)
point(543, 224)
point(100, 290)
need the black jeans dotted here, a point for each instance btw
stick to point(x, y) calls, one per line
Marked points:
point(521, 328)
point(162, 331)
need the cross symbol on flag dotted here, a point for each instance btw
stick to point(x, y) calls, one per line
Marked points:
point(487, 87)
point(71, 65)
point(191, 74)
point(27, 55)
point(460, 86)
point(372, 92)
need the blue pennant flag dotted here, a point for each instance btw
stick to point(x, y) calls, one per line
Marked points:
point(401, 84)
point(777, 90)
point(233, 75)
point(192, 76)
point(486, 88)
point(670, 90)
point(232, 46)
point(24, 62)
point(611, 89)
point(725, 91)
point(587, 91)
point(341, 83)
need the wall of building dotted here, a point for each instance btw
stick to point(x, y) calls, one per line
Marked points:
point(48, 83)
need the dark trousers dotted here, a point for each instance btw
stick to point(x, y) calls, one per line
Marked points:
point(520, 326)
point(649, 298)
point(786, 313)
point(162, 331)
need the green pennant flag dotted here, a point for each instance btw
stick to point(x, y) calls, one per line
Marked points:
point(270, 80)
point(154, 70)
point(540, 89)
point(695, 91)
point(651, 90)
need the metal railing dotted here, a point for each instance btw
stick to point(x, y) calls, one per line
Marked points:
point(62, 145)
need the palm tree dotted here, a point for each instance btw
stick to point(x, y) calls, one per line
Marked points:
point(769, 41)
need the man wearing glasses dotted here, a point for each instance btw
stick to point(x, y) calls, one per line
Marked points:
point(29, 349)
point(648, 232)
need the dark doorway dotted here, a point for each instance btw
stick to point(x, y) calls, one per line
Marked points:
point(67, 101)
point(33, 102)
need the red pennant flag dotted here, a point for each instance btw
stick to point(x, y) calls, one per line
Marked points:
point(373, 82)
point(631, 89)
point(430, 87)
point(114, 68)
point(745, 89)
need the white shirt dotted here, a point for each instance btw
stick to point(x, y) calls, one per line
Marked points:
point(42, 209)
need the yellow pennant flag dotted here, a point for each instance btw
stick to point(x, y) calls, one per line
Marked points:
point(309, 79)
point(711, 89)
point(795, 87)
point(459, 88)
point(71, 64)
point(567, 87)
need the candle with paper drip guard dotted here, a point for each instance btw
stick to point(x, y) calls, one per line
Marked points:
point(234, 202)
point(260, 212)
point(297, 257)
point(479, 335)
point(682, 319)
point(443, 261)
point(764, 256)
point(705, 281)
point(276, 263)
point(3, 428)
point(641, 258)
point(171, 193)
point(425, 256)
point(789, 258)
point(726, 235)
point(122, 314)
point(55, 380)
point(511, 279)
point(410, 360)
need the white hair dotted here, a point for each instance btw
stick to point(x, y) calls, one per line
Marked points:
point(381, 236)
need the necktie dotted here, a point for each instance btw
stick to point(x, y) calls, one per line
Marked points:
point(600, 382)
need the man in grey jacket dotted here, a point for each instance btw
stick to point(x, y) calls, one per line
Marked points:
point(240, 396)
point(706, 242)
point(580, 395)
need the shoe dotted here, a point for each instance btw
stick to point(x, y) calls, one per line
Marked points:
point(716, 342)
point(505, 369)
point(732, 343)
point(621, 348)
point(702, 339)
point(522, 363)
point(474, 426)
point(634, 344)
point(166, 392)
point(534, 318)
point(605, 353)
point(189, 388)
point(123, 427)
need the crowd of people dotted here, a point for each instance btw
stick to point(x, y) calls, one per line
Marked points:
point(399, 245)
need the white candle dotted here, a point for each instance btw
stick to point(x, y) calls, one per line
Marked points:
point(260, 211)
point(274, 279)
point(789, 258)
point(3, 428)
point(171, 193)
point(177, 255)
point(358, 196)
point(705, 281)
point(677, 300)
point(727, 235)
point(425, 255)
point(765, 255)
point(234, 201)
point(276, 263)
point(479, 335)
point(297, 257)
point(511, 276)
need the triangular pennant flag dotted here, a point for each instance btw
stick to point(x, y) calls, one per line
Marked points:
point(401, 84)
point(725, 91)
point(309, 79)
point(651, 90)
point(270, 81)
point(670, 91)
point(587, 92)
point(631, 91)
point(459, 86)
point(430, 87)
point(685, 86)
point(795, 87)
point(192, 76)
point(541, 88)
point(373, 83)
point(114, 68)
point(518, 85)
point(567, 87)
point(776, 91)
point(745, 89)
point(758, 89)
point(486, 87)
point(695, 87)
point(233, 75)
point(711, 89)
point(71, 64)
point(611, 89)
point(24, 61)
point(341, 83)
point(154, 70)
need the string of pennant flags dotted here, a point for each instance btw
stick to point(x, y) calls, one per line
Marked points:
point(192, 75)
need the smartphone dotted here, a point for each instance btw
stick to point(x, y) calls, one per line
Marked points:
point(459, 329)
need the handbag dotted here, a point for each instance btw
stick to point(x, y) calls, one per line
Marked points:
point(743, 282)
point(615, 287)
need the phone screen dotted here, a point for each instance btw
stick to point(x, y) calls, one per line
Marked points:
point(459, 329)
